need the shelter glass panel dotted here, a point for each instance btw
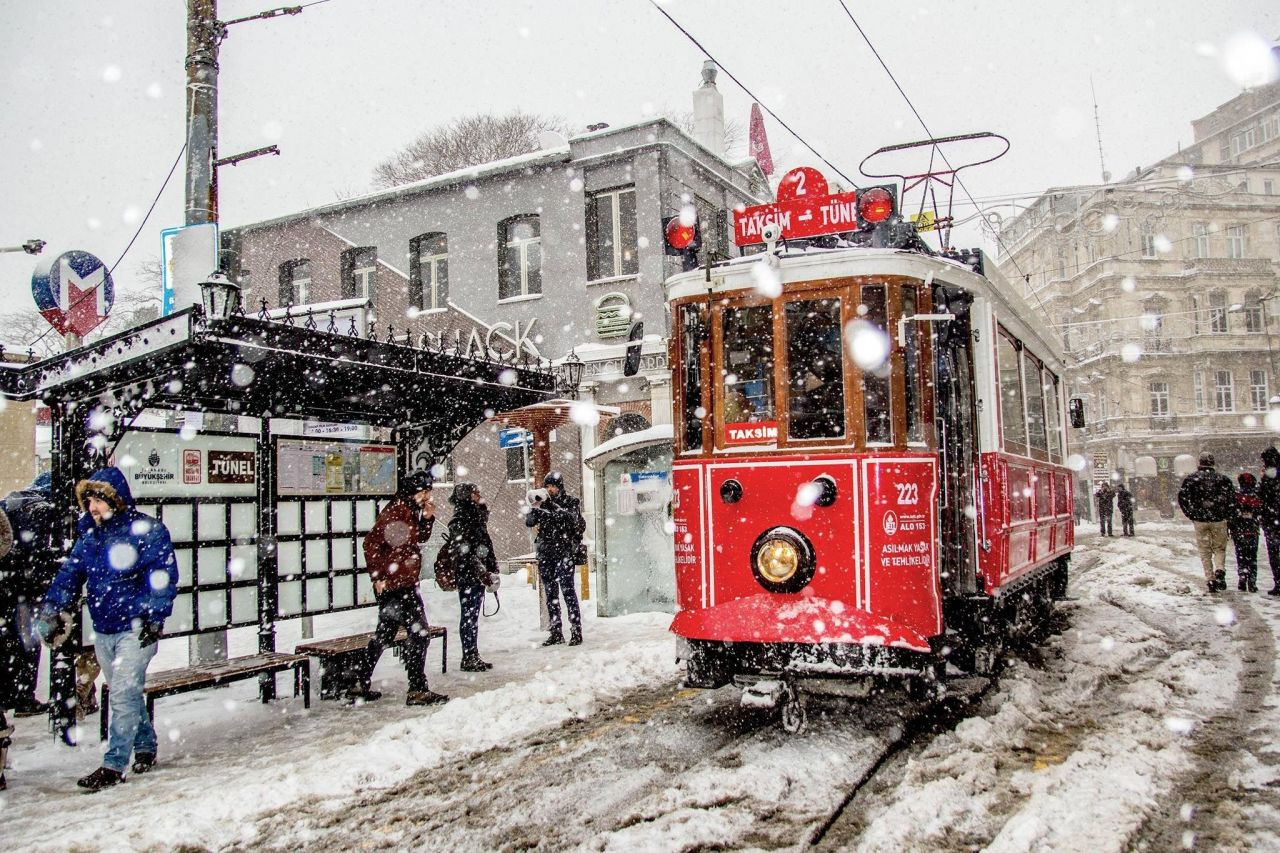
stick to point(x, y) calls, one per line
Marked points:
point(213, 609)
point(290, 598)
point(211, 521)
point(244, 520)
point(211, 565)
point(289, 557)
point(244, 604)
point(344, 592)
point(183, 556)
point(366, 514)
point(317, 595)
point(315, 514)
point(340, 517)
point(177, 518)
point(364, 590)
point(815, 369)
point(317, 551)
point(288, 518)
point(244, 562)
point(182, 619)
point(341, 556)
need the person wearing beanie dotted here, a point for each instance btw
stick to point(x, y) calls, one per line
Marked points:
point(1244, 532)
point(1209, 500)
point(393, 558)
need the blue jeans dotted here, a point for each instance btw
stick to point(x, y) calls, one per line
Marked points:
point(472, 600)
point(124, 663)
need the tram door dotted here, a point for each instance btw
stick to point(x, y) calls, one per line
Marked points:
point(957, 440)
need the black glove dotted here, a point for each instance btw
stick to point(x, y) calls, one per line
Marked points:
point(150, 634)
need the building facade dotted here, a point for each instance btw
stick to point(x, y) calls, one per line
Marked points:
point(536, 256)
point(1163, 289)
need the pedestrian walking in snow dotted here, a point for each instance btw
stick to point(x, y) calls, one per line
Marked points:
point(1124, 503)
point(1105, 499)
point(1244, 532)
point(1269, 495)
point(1209, 500)
point(393, 558)
point(25, 573)
point(475, 567)
point(126, 560)
point(560, 527)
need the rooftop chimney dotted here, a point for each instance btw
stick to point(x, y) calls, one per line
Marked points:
point(708, 112)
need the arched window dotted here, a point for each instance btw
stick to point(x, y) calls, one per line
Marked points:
point(429, 271)
point(519, 257)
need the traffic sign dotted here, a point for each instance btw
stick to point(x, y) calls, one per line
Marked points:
point(73, 291)
point(514, 437)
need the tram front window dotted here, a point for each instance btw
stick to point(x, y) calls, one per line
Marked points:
point(746, 371)
point(815, 398)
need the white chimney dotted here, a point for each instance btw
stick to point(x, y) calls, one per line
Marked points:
point(708, 112)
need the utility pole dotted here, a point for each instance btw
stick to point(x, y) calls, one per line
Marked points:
point(204, 32)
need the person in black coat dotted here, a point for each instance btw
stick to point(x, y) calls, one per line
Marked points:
point(1244, 532)
point(560, 527)
point(25, 574)
point(1124, 503)
point(475, 567)
point(1269, 496)
point(1105, 500)
point(1209, 500)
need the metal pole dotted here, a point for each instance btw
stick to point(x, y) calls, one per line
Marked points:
point(203, 34)
point(268, 566)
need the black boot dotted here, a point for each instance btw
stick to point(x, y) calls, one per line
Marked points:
point(143, 762)
point(554, 640)
point(1220, 580)
point(1242, 584)
point(425, 697)
point(103, 777)
point(575, 638)
point(473, 663)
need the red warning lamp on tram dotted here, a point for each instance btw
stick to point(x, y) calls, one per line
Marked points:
point(682, 239)
point(875, 205)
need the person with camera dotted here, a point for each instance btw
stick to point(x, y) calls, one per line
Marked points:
point(475, 567)
point(126, 560)
point(558, 518)
point(393, 559)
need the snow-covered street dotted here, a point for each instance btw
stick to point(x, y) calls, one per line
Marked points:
point(1145, 723)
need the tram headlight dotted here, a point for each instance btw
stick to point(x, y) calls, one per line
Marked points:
point(782, 560)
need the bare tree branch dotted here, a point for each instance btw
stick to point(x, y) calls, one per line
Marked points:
point(467, 141)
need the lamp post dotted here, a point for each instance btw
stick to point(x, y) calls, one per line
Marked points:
point(31, 247)
point(571, 374)
point(220, 297)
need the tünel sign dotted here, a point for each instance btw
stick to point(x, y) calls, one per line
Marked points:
point(232, 466)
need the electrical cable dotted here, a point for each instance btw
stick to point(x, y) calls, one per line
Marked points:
point(752, 95)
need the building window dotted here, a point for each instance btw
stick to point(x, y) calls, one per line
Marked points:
point(359, 272)
point(1148, 242)
point(429, 271)
point(519, 257)
point(1258, 390)
point(1159, 399)
point(611, 234)
point(1223, 392)
point(295, 282)
point(1197, 383)
point(1268, 188)
point(517, 464)
point(1218, 313)
point(1235, 241)
point(1200, 231)
point(1253, 318)
point(713, 222)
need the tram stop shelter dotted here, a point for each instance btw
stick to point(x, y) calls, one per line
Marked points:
point(240, 556)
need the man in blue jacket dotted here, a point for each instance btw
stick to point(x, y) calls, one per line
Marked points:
point(127, 561)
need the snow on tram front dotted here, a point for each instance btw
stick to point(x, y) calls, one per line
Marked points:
point(869, 478)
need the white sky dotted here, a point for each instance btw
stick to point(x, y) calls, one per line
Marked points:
point(92, 95)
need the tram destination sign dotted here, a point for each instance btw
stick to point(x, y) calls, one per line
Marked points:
point(804, 216)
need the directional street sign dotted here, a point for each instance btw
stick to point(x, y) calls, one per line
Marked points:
point(514, 437)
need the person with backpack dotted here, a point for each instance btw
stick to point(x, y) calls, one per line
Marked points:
point(25, 574)
point(560, 524)
point(1244, 532)
point(1209, 500)
point(475, 567)
point(393, 559)
point(1269, 496)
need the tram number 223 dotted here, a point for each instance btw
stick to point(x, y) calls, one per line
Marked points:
point(908, 494)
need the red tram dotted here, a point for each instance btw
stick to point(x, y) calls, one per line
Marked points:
point(869, 476)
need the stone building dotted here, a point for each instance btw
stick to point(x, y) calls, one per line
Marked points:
point(1163, 290)
point(536, 256)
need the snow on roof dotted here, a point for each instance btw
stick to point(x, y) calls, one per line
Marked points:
point(627, 442)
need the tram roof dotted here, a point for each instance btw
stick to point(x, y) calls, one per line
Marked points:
point(257, 367)
point(811, 264)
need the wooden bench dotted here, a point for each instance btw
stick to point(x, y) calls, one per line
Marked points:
point(171, 682)
point(342, 655)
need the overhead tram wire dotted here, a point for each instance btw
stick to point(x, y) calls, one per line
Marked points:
point(959, 181)
point(141, 225)
point(752, 95)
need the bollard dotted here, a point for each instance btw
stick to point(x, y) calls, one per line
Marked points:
point(585, 571)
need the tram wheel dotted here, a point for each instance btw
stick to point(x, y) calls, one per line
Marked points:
point(794, 715)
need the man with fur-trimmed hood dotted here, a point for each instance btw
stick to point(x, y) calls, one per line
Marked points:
point(126, 559)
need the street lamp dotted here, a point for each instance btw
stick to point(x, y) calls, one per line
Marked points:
point(571, 374)
point(220, 296)
point(31, 247)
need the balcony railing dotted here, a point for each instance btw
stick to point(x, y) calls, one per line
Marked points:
point(1164, 423)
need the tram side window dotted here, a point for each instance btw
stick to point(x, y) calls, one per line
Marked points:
point(746, 370)
point(877, 398)
point(1053, 409)
point(1011, 408)
point(915, 371)
point(815, 369)
point(693, 338)
point(1034, 385)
